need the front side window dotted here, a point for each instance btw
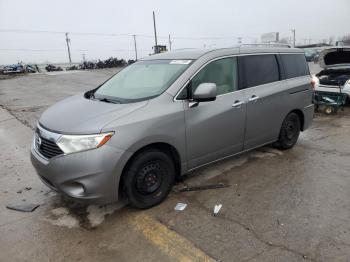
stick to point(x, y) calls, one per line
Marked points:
point(260, 69)
point(142, 80)
point(222, 72)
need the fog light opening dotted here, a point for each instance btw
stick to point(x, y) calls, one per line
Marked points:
point(75, 189)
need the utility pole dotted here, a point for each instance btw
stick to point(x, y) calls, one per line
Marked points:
point(68, 41)
point(169, 43)
point(135, 46)
point(155, 30)
point(293, 31)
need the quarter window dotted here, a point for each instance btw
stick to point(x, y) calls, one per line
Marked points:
point(260, 69)
point(295, 65)
point(222, 72)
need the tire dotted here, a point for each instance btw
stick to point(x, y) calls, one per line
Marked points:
point(329, 110)
point(347, 101)
point(149, 178)
point(289, 132)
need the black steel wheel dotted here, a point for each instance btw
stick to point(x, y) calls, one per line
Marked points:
point(289, 132)
point(149, 178)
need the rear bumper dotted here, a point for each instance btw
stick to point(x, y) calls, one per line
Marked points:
point(308, 116)
point(90, 176)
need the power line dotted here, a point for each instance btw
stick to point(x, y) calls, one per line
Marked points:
point(64, 50)
point(32, 50)
point(126, 35)
point(58, 32)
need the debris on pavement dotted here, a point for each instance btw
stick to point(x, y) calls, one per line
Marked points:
point(97, 214)
point(279, 223)
point(27, 188)
point(217, 209)
point(61, 216)
point(23, 207)
point(180, 206)
point(187, 188)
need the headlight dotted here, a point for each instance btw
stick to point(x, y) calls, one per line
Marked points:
point(76, 143)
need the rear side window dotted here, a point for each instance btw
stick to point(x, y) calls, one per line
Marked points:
point(259, 70)
point(295, 65)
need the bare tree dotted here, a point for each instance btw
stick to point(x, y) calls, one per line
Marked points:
point(344, 37)
point(284, 40)
point(331, 40)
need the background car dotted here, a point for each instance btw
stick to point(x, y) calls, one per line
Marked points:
point(310, 54)
point(335, 76)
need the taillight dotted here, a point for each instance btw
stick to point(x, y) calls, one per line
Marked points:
point(313, 84)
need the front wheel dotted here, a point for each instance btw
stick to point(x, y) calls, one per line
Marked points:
point(289, 132)
point(149, 178)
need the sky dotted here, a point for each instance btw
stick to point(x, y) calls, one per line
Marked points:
point(105, 28)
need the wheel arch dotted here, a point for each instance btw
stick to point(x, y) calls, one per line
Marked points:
point(162, 146)
point(301, 117)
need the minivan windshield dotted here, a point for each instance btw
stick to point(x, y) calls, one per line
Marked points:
point(141, 80)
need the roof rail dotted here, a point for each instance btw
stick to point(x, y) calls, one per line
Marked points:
point(267, 45)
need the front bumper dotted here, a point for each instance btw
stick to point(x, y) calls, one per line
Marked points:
point(90, 176)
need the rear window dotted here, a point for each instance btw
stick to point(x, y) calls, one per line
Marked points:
point(260, 69)
point(295, 65)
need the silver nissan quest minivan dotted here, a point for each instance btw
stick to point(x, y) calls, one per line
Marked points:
point(167, 115)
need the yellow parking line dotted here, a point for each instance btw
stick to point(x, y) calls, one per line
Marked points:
point(168, 241)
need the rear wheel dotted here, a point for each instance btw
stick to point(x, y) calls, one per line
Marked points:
point(289, 132)
point(149, 178)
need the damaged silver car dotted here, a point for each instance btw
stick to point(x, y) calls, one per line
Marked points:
point(167, 115)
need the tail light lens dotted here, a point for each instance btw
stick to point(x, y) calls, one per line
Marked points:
point(314, 82)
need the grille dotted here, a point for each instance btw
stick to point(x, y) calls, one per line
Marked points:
point(46, 147)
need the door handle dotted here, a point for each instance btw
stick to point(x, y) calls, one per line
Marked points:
point(237, 103)
point(253, 98)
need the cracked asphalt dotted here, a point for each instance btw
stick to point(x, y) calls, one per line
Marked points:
point(280, 205)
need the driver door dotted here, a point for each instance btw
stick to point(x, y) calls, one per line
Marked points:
point(215, 129)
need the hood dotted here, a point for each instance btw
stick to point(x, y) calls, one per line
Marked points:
point(335, 56)
point(79, 115)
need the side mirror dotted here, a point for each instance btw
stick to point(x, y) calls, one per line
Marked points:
point(205, 92)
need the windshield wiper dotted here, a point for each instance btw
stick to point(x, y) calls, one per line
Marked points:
point(108, 100)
